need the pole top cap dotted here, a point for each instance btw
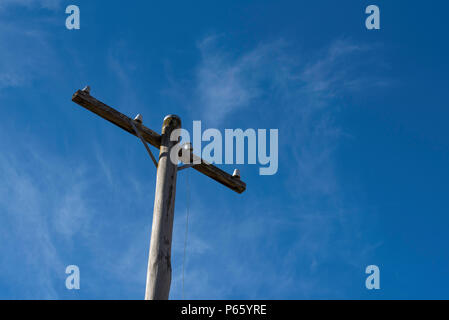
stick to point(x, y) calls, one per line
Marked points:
point(173, 116)
point(172, 120)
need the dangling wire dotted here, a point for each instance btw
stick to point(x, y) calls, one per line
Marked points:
point(187, 229)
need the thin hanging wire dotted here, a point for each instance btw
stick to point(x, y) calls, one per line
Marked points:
point(187, 229)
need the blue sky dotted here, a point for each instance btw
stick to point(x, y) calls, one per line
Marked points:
point(363, 147)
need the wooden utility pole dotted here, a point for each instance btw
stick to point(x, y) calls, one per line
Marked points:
point(159, 262)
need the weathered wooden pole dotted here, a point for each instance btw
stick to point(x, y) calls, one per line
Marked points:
point(159, 262)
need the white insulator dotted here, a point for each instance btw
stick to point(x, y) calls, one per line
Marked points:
point(139, 118)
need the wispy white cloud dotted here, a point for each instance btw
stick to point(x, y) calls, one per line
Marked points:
point(225, 85)
point(289, 78)
point(311, 225)
point(123, 65)
point(57, 211)
point(36, 204)
point(25, 55)
point(47, 4)
point(302, 92)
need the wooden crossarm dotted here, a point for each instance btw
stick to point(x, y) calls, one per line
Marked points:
point(90, 103)
point(85, 100)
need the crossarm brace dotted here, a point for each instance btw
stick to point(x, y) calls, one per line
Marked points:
point(144, 143)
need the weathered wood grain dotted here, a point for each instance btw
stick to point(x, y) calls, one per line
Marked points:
point(159, 272)
point(219, 175)
point(90, 103)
